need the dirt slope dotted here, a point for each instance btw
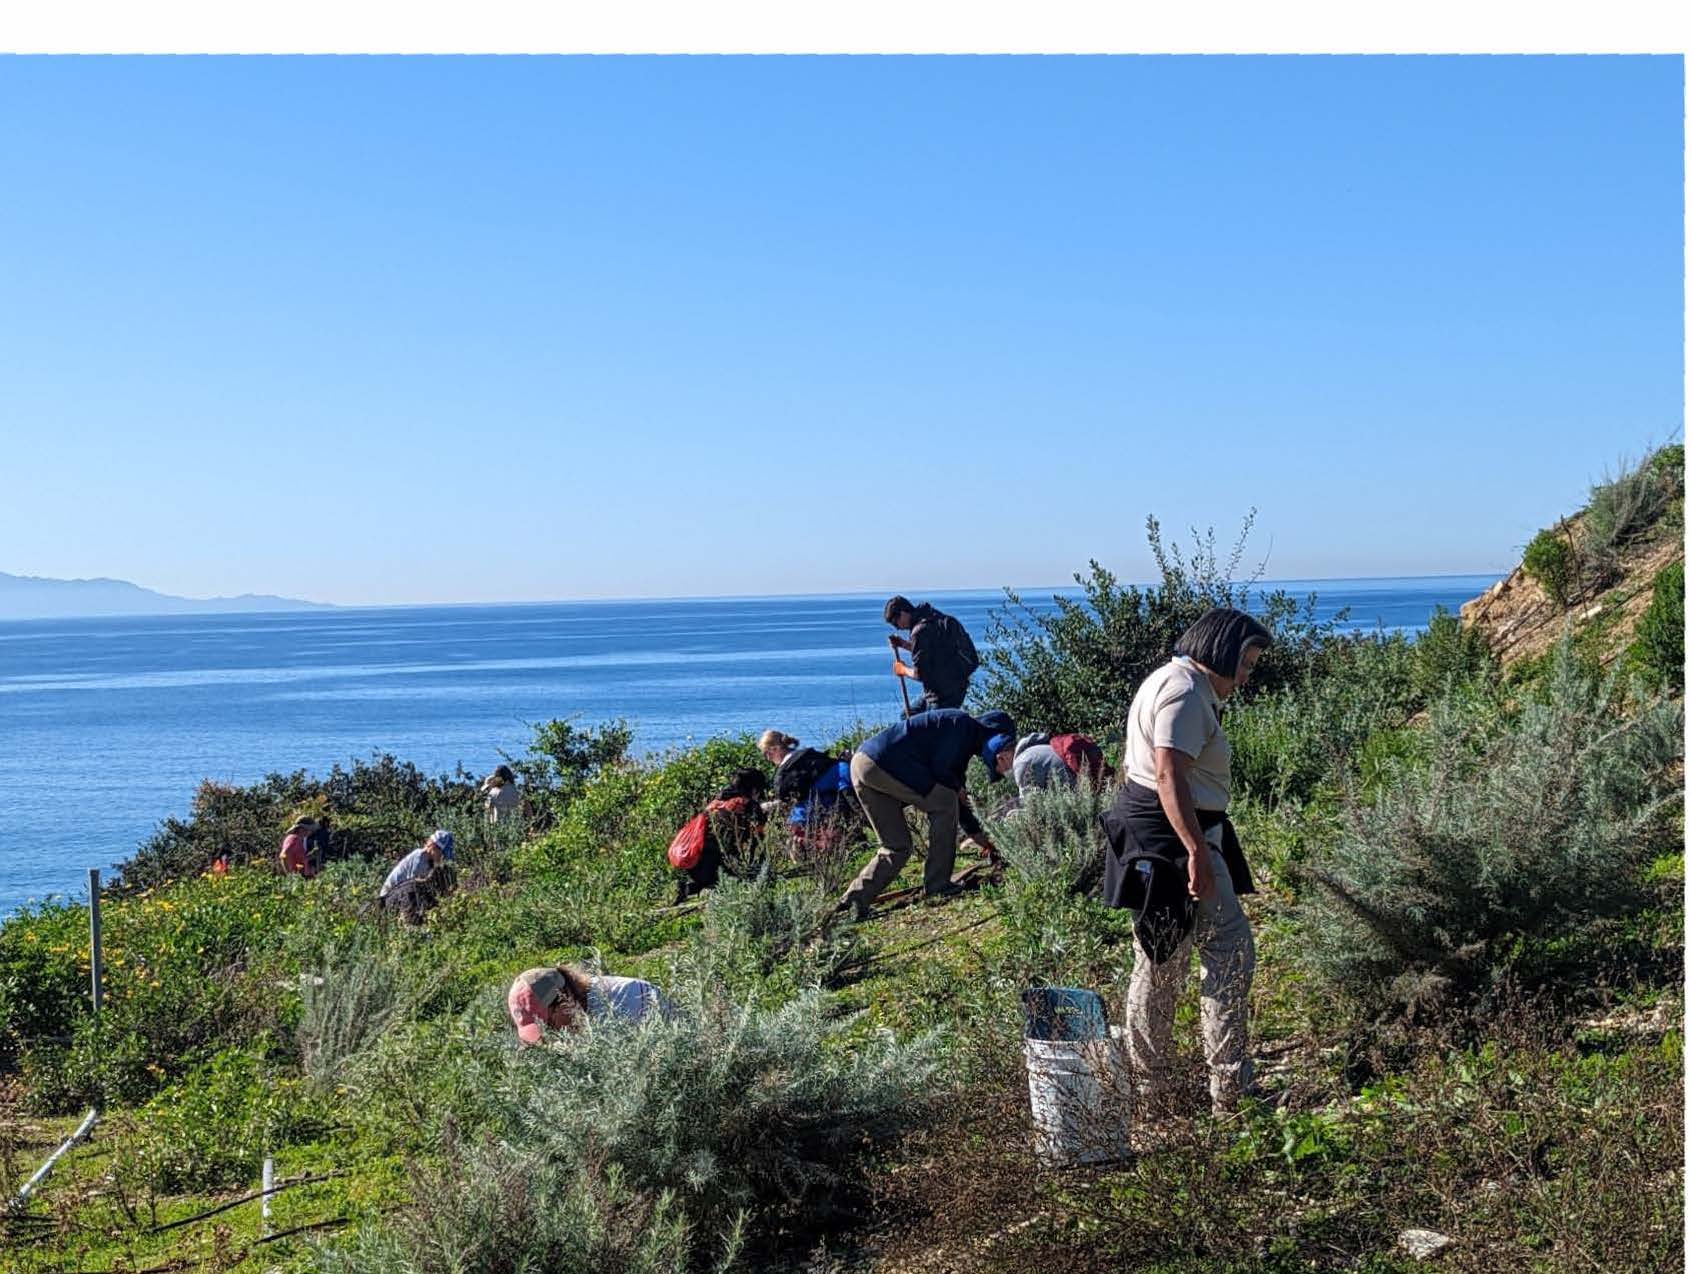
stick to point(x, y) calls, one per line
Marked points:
point(1521, 620)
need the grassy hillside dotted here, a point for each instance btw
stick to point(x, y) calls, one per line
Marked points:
point(1468, 1008)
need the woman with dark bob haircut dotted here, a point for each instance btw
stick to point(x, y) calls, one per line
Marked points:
point(1175, 861)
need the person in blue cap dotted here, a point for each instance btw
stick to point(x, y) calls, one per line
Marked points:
point(922, 763)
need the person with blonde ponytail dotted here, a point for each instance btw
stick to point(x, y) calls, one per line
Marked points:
point(813, 782)
point(776, 748)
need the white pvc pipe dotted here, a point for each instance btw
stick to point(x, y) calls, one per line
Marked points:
point(92, 1118)
point(264, 1207)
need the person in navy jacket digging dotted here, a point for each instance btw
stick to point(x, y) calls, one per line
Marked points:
point(921, 763)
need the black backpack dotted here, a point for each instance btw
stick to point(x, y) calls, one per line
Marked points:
point(795, 779)
point(961, 644)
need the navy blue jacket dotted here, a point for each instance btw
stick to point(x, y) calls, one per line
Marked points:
point(933, 748)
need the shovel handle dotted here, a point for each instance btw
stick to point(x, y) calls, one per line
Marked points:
point(903, 685)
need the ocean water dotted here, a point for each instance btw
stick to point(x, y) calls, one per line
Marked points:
point(108, 725)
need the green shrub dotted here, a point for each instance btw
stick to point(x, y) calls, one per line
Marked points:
point(1055, 836)
point(98, 1064)
point(1291, 742)
point(1658, 650)
point(377, 806)
point(563, 759)
point(44, 979)
point(1450, 652)
point(1629, 507)
point(1517, 829)
point(760, 925)
point(1077, 668)
point(490, 1207)
point(605, 858)
point(1056, 930)
point(729, 1118)
point(212, 1129)
point(730, 1106)
point(1668, 463)
point(353, 993)
point(1550, 560)
point(186, 969)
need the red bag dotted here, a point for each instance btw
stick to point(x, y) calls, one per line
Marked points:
point(689, 843)
point(1081, 755)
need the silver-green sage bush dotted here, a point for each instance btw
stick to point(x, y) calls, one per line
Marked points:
point(1514, 826)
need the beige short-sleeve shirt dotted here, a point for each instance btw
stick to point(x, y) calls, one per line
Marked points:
point(1176, 707)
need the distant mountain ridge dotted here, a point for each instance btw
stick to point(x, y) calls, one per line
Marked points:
point(34, 597)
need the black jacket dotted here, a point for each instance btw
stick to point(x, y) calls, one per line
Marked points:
point(942, 653)
point(1138, 831)
point(799, 771)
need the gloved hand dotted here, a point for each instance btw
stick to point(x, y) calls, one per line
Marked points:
point(903, 669)
point(903, 643)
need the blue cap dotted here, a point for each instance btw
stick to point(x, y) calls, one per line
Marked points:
point(443, 842)
point(989, 753)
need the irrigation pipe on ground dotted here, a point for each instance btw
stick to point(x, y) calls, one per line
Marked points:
point(276, 1188)
point(81, 1134)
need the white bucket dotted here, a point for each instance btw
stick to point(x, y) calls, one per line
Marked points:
point(1079, 1092)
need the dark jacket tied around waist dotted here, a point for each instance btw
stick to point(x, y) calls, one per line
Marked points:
point(1145, 867)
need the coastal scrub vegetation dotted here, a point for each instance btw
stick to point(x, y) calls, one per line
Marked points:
point(1639, 503)
point(1468, 1007)
point(1074, 668)
point(1551, 560)
point(1658, 650)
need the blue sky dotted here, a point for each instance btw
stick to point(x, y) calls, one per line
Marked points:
point(388, 330)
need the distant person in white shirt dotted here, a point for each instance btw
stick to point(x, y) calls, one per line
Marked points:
point(501, 798)
point(567, 997)
point(412, 887)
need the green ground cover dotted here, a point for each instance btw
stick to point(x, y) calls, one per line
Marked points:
point(1468, 1011)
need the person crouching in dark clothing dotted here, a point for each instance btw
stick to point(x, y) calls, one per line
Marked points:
point(922, 763)
point(942, 655)
point(735, 819)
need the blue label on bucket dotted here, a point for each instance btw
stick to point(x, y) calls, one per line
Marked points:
point(1064, 1013)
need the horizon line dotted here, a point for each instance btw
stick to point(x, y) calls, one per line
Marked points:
point(949, 590)
point(952, 590)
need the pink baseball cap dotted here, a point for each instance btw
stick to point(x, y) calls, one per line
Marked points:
point(531, 999)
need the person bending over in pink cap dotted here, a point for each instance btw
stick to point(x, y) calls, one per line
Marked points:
point(566, 996)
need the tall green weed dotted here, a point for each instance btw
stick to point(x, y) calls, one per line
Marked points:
point(1628, 505)
point(1075, 669)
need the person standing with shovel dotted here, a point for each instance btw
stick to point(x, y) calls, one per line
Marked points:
point(942, 655)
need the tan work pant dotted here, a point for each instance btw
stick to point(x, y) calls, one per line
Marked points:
point(884, 800)
point(1227, 957)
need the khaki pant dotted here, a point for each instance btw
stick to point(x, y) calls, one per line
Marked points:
point(1227, 957)
point(884, 800)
